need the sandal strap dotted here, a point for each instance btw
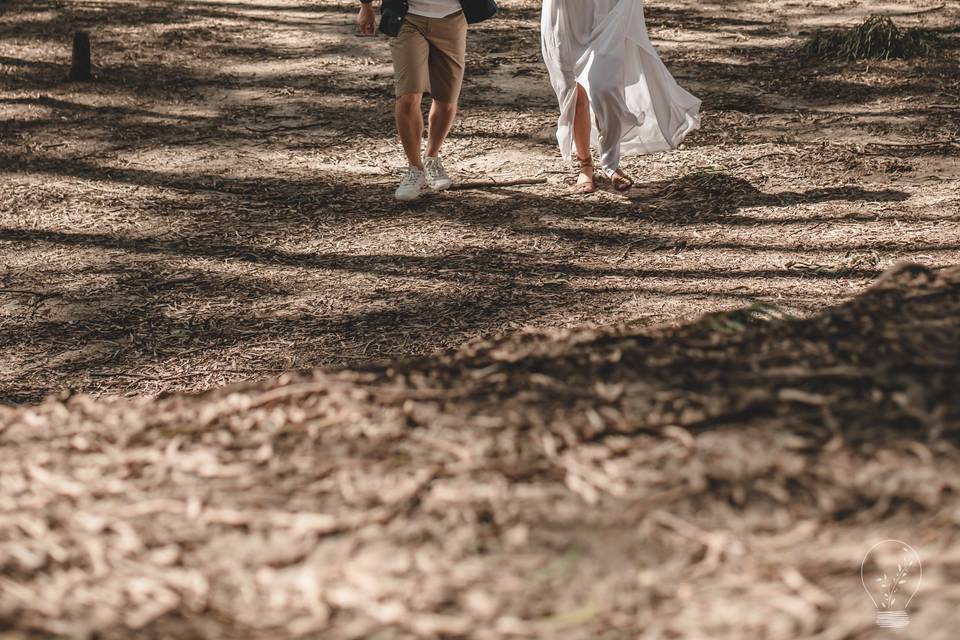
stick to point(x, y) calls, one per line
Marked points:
point(585, 163)
point(617, 173)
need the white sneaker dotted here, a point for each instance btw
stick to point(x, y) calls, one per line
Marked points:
point(412, 185)
point(437, 177)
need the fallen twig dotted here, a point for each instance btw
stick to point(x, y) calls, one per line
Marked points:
point(918, 12)
point(284, 127)
point(483, 184)
point(133, 145)
point(179, 376)
point(25, 292)
point(877, 149)
point(626, 252)
point(751, 161)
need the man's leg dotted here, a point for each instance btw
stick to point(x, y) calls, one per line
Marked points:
point(410, 127)
point(442, 115)
point(448, 53)
point(411, 54)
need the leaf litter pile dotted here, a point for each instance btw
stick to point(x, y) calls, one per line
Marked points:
point(722, 479)
point(878, 37)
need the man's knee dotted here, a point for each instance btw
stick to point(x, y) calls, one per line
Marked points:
point(409, 102)
point(444, 106)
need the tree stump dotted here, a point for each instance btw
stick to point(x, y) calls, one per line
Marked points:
point(80, 69)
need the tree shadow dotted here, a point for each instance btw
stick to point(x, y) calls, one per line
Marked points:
point(213, 275)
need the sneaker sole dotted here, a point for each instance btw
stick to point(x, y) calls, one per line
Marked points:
point(441, 186)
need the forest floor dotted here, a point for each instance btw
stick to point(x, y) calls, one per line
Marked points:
point(217, 205)
point(723, 479)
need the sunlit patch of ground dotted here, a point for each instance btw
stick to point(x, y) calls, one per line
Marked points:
point(217, 205)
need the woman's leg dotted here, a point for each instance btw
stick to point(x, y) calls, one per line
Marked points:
point(607, 98)
point(581, 123)
point(581, 139)
point(582, 130)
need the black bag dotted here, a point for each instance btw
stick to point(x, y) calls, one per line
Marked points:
point(391, 17)
point(393, 12)
point(478, 10)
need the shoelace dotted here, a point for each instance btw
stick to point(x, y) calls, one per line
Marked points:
point(435, 169)
point(411, 178)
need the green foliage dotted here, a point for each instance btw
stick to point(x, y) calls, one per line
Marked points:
point(878, 38)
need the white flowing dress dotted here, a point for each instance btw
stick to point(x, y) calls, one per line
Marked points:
point(604, 46)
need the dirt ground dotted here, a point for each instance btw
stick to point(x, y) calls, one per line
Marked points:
point(719, 480)
point(217, 205)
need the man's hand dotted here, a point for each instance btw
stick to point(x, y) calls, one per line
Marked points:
point(366, 21)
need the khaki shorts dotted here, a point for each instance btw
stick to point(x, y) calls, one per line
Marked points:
point(429, 56)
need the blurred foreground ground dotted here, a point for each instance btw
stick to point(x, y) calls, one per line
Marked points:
point(718, 480)
point(217, 206)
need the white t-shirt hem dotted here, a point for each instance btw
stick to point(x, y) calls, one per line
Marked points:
point(434, 8)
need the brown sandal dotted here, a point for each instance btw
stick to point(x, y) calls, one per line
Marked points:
point(620, 180)
point(585, 184)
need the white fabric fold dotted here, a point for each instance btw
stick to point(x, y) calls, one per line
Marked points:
point(636, 105)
